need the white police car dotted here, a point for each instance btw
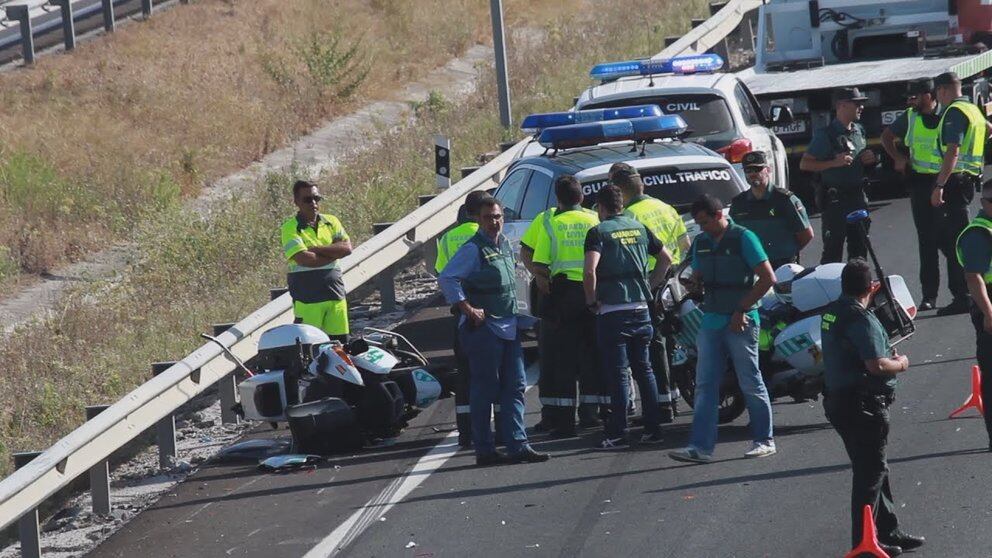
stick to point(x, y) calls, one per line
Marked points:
point(586, 144)
point(718, 108)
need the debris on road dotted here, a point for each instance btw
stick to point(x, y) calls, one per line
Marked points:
point(289, 463)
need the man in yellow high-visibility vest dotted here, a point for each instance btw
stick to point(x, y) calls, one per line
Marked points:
point(312, 243)
point(961, 146)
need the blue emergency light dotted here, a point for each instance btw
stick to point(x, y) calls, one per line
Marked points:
point(541, 121)
point(679, 65)
point(592, 133)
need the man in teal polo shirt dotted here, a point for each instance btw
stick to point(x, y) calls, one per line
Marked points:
point(776, 216)
point(734, 271)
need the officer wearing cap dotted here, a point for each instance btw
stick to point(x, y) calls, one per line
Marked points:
point(961, 147)
point(571, 328)
point(859, 385)
point(917, 129)
point(839, 153)
point(974, 252)
point(776, 216)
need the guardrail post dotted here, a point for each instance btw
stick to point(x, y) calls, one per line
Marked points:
point(468, 170)
point(384, 281)
point(19, 13)
point(697, 21)
point(28, 526)
point(99, 473)
point(166, 428)
point(716, 7)
point(277, 292)
point(109, 24)
point(506, 145)
point(442, 161)
point(421, 200)
point(671, 39)
point(228, 388)
point(68, 25)
point(146, 8)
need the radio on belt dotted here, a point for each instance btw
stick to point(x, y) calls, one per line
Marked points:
point(697, 63)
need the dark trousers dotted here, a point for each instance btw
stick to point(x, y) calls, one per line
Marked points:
point(863, 425)
point(545, 354)
point(836, 230)
point(929, 231)
point(984, 355)
point(658, 353)
point(958, 193)
point(572, 338)
point(463, 416)
point(623, 338)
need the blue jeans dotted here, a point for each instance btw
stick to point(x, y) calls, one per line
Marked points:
point(623, 339)
point(496, 367)
point(714, 347)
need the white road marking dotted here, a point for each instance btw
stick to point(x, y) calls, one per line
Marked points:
point(393, 494)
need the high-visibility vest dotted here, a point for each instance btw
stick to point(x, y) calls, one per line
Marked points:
point(979, 222)
point(566, 232)
point(971, 155)
point(921, 141)
point(312, 284)
point(452, 240)
point(662, 220)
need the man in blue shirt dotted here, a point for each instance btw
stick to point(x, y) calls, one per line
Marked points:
point(480, 279)
point(734, 270)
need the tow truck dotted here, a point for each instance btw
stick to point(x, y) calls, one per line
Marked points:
point(806, 48)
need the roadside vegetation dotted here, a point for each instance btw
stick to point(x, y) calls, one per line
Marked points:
point(193, 271)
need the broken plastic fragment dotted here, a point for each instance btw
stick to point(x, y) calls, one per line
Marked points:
point(411, 544)
point(291, 462)
point(251, 450)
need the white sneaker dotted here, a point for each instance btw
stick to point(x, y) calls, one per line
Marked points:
point(761, 449)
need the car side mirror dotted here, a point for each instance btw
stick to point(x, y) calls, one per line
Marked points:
point(781, 115)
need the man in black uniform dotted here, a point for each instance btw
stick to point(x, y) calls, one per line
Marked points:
point(860, 381)
point(839, 152)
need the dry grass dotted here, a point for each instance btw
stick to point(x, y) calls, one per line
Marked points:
point(95, 141)
point(195, 272)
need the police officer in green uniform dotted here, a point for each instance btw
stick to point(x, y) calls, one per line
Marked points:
point(312, 243)
point(961, 146)
point(859, 386)
point(839, 152)
point(447, 245)
point(917, 129)
point(974, 251)
point(776, 216)
point(617, 289)
point(571, 327)
point(666, 224)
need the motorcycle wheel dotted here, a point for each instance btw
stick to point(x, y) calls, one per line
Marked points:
point(731, 404)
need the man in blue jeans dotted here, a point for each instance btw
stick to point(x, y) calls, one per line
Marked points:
point(480, 280)
point(734, 270)
point(616, 285)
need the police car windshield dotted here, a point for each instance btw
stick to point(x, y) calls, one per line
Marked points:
point(677, 186)
point(707, 116)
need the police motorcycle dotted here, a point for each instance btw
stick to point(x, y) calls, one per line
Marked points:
point(790, 347)
point(336, 397)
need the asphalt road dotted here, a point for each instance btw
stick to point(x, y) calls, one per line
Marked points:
point(637, 502)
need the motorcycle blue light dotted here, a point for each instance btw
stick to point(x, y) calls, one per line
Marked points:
point(679, 65)
point(541, 121)
point(593, 133)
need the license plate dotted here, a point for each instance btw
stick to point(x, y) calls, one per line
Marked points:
point(889, 116)
point(794, 127)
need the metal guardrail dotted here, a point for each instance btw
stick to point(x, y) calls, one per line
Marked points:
point(90, 445)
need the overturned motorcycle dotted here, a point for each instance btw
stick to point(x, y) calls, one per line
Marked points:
point(790, 348)
point(336, 397)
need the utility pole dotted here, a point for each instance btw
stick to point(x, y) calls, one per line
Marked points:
point(499, 45)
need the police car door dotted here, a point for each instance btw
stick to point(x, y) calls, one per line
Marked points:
point(762, 138)
point(525, 192)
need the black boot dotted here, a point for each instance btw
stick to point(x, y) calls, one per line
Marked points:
point(588, 416)
point(564, 422)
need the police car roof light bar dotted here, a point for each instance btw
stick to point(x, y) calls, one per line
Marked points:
point(697, 63)
point(593, 133)
point(536, 122)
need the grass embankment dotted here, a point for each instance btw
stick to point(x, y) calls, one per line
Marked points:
point(195, 272)
point(93, 142)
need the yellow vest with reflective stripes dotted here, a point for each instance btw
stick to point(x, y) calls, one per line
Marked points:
point(971, 155)
point(921, 141)
point(663, 221)
point(297, 237)
point(452, 240)
point(566, 232)
point(978, 223)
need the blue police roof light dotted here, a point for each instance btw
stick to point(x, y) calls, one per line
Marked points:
point(679, 65)
point(541, 121)
point(593, 133)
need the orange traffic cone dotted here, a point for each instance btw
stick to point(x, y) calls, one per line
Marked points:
point(869, 539)
point(975, 399)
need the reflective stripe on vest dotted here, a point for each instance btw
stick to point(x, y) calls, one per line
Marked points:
point(921, 142)
point(978, 223)
point(656, 215)
point(971, 155)
point(566, 232)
